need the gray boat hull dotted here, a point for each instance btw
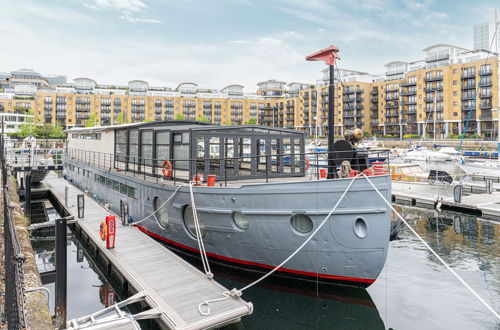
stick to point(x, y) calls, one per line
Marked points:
point(335, 254)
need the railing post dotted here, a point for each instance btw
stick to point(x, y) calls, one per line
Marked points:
point(61, 273)
point(27, 196)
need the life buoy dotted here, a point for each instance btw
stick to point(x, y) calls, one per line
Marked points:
point(166, 169)
point(308, 164)
point(103, 230)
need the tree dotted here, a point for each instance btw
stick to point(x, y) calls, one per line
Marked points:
point(92, 121)
point(120, 118)
point(28, 127)
point(179, 117)
point(57, 131)
point(204, 118)
point(252, 121)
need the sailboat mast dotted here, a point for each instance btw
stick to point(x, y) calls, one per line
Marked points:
point(435, 111)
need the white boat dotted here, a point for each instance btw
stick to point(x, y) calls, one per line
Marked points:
point(428, 155)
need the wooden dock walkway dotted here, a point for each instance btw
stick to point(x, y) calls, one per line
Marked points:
point(174, 287)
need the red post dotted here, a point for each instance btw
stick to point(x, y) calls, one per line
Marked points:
point(111, 226)
point(211, 180)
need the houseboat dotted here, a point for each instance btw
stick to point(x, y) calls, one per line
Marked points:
point(259, 205)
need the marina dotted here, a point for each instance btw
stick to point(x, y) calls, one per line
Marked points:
point(349, 200)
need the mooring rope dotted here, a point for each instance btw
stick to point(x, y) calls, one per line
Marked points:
point(432, 251)
point(199, 239)
point(237, 293)
point(159, 208)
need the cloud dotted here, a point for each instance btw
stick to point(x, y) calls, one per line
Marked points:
point(131, 19)
point(120, 5)
point(125, 8)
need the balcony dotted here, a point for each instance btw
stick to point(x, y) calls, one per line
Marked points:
point(468, 86)
point(485, 106)
point(359, 99)
point(435, 58)
point(408, 83)
point(468, 74)
point(485, 72)
point(374, 107)
point(48, 115)
point(486, 83)
point(433, 78)
point(359, 107)
point(60, 115)
point(427, 110)
point(391, 106)
point(409, 93)
point(408, 112)
point(408, 102)
point(349, 115)
point(374, 92)
point(391, 98)
point(391, 114)
point(348, 107)
point(432, 99)
point(486, 115)
point(391, 89)
point(434, 88)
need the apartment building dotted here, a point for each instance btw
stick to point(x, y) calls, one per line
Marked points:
point(436, 95)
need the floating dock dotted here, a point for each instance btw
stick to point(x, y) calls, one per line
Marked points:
point(173, 287)
point(483, 205)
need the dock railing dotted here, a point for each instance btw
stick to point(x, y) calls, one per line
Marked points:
point(15, 294)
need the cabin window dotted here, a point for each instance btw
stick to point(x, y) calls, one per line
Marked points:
point(121, 145)
point(147, 148)
point(162, 147)
point(133, 148)
point(181, 151)
point(244, 151)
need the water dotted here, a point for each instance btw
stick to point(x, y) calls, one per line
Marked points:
point(414, 291)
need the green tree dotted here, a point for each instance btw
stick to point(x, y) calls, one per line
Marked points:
point(180, 117)
point(57, 131)
point(203, 118)
point(92, 121)
point(252, 121)
point(120, 118)
point(28, 127)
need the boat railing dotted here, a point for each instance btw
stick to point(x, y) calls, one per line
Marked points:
point(243, 167)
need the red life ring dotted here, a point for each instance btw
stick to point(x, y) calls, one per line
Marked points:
point(308, 164)
point(166, 169)
point(103, 231)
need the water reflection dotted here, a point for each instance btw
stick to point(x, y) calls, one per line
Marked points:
point(416, 291)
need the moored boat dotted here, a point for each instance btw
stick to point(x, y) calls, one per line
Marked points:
point(256, 204)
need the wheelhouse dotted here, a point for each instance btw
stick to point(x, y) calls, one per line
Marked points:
point(179, 150)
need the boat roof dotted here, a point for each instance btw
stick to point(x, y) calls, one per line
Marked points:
point(182, 125)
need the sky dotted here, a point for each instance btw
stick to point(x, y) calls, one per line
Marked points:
point(215, 43)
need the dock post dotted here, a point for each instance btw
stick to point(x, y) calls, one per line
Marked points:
point(489, 186)
point(61, 273)
point(81, 205)
point(66, 191)
point(27, 196)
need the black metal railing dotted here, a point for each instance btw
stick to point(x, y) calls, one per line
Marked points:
point(265, 166)
point(15, 294)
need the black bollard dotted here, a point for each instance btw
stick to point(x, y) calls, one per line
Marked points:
point(27, 196)
point(61, 273)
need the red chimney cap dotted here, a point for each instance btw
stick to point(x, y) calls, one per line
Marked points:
point(328, 55)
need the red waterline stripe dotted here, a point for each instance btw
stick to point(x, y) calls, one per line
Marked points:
point(251, 263)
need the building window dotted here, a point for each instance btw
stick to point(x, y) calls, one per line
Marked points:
point(455, 103)
point(455, 82)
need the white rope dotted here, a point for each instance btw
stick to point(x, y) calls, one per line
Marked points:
point(158, 209)
point(199, 239)
point(432, 251)
point(237, 293)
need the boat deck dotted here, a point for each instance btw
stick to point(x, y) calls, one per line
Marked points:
point(173, 286)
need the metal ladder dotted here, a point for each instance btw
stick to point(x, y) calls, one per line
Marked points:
point(117, 320)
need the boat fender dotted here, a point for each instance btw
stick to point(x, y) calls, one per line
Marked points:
point(308, 164)
point(166, 169)
point(103, 230)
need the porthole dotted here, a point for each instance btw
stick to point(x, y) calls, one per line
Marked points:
point(190, 224)
point(301, 223)
point(361, 228)
point(240, 220)
point(161, 214)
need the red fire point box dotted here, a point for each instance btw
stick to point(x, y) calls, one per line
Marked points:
point(111, 226)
